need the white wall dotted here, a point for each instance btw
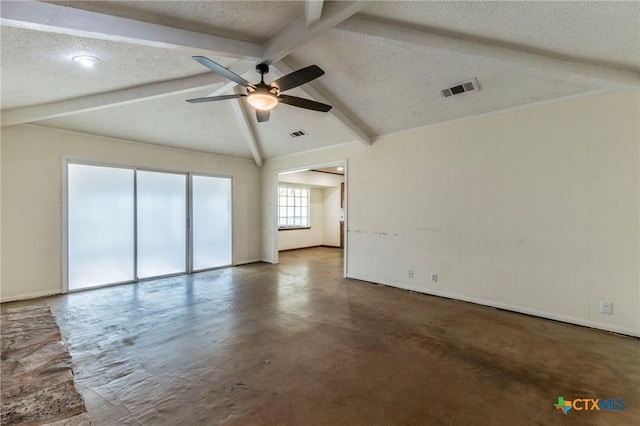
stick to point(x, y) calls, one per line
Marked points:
point(534, 210)
point(331, 217)
point(31, 171)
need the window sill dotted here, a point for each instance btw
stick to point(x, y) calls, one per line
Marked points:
point(294, 229)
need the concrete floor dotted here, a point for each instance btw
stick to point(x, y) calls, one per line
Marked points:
point(295, 344)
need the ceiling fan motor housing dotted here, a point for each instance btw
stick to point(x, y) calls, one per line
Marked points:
point(262, 68)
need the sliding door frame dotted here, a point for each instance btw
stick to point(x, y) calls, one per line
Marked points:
point(187, 254)
point(67, 160)
point(190, 219)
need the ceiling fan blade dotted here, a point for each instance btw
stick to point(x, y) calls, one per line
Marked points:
point(219, 69)
point(298, 78)
point(304, 103)
point(262, 116)
point(215, 98)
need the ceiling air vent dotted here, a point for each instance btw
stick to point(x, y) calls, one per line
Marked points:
point(467, 86)
point(298, 133)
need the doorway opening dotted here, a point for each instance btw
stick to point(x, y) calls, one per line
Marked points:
point(311, 208)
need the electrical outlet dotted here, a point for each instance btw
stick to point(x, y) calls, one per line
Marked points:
point(606, 307)
point(410, 273)
point(434, 278)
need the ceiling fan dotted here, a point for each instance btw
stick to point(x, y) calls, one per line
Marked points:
point(264, 97)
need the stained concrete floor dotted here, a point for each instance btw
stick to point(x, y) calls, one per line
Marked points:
point(295, 344)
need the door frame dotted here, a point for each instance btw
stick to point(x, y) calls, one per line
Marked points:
point(68, 159)
point(274, 208)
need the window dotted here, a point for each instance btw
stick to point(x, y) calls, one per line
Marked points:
point(293, 207)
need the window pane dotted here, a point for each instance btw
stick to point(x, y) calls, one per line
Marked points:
point(211, 222)
point(100, 214)
point(162, 234)
point(293, 210)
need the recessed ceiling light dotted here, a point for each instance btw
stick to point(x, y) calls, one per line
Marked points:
point(340, 168)
point(85, 61)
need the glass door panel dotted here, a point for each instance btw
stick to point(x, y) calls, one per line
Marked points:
point(211, 209)
point(100, 226)
point(162, 220)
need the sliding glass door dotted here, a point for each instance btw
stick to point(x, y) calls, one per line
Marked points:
point(126, 224)
point(211, 222)
point(100, 226)
point(161, 223)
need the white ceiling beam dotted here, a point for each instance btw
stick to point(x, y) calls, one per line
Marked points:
point(53, 18)
point(248, 129)
point(530, 63)
point(313, 11)
point(344, 119)
point(297, 33)
point(107, 100)
point(48, 17)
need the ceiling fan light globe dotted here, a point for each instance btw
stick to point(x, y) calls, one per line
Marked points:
point(262, 101)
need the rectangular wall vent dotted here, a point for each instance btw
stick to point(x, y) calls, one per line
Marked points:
point(298, 133)
point(467, 86)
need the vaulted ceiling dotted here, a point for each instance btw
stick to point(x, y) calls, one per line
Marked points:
point(385, 64)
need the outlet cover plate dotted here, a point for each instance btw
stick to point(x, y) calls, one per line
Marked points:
point(606, 307)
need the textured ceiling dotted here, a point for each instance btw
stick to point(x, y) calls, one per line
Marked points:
point(37, 66)
point(391, 86)
point(599, 31)
point(166, 121)
point(384, 64)
point(252, 21)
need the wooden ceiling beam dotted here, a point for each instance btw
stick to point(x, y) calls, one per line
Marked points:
point(243, 114)
point(115, 98)
point(343, 118)
point(313, 11)
point(298, 33)
point(47, 17)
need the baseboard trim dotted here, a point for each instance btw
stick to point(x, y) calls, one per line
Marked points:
point(27, 296)
point(308, 247)
point(299, 248)
point(512, 308)
point(246, 262)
